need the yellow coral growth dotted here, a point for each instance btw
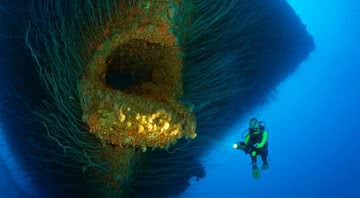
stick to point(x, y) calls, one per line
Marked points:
point(153, 128)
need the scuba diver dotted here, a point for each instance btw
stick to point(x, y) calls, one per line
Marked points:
point(256, 143)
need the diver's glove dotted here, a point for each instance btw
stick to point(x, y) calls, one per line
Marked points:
point(241, 146)
point(248, 149)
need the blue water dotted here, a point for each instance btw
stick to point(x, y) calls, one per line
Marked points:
point(313, 120)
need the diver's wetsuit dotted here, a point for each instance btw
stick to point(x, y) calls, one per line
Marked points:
point(259, 138)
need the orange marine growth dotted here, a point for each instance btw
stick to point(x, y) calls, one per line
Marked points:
point(147, 113)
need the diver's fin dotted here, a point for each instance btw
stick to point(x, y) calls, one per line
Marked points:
point(256, 172)
point(265, 166)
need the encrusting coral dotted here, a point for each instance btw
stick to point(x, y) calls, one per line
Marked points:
point(147, 114)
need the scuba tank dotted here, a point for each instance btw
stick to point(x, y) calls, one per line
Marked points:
point(262, 125)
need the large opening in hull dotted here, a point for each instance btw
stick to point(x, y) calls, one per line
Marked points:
point(145, 68)
point(128, 66)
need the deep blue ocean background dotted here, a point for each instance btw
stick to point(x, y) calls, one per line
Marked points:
point(313, 121)
point(313, 118)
